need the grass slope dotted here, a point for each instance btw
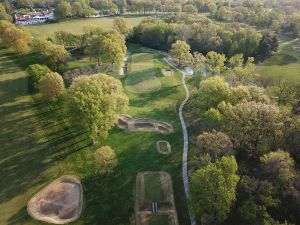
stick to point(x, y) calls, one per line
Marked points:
point(283, 65)
point(76, 25)
point(41, 145)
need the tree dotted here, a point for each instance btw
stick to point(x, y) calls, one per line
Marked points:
point(213, 189)
point(107, 46)
point(54, 56)
point(255, 198)
point(51, 86)
point(211, 92)
point(181, 50)
point(14, 37)
point(63, 10)
point(36, 72)
point(106, 159)
point(3, 14)
point(190, 8)
point(94, 102)
point(249, 93)
point(120, 24)
point(238, 72)
point(253, 126)
point(216, 144)
point(278, 166)
point(215, 63)
point(267, 45)
point(81, 8)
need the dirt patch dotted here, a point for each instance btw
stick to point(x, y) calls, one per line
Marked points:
point(126, 122)
point(165, 207)
point(60, 202)
point(163, 147)
point(167, 72)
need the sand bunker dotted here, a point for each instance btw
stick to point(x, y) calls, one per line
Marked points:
point(59, 203)
point(167, 72)
point(163, 147)
point(126, 122)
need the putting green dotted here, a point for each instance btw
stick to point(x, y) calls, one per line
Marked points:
point(142, 74)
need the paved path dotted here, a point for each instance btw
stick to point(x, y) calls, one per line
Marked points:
point(185, 140)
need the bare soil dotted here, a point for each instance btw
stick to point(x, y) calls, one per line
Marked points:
point(60, 202)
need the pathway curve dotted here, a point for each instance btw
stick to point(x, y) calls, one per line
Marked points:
point(185, 139)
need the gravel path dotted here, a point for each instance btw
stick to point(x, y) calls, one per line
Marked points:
point(185, 140)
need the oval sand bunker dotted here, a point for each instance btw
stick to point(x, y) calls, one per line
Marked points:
point(59, 203)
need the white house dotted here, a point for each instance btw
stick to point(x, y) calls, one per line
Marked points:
point(34, 18)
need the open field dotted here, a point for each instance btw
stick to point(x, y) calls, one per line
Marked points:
point(39, 145)
point(283, 65)
point(76, 26)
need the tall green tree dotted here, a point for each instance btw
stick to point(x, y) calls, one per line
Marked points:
point(253, 126)
point(63, 10)
point(213, 189)
point(3, 14)
point(55, 56)
point(14, 37)
point(51, 86)
point(94, 102)
point(36, 72)
point(181, 51)
point(211, 92)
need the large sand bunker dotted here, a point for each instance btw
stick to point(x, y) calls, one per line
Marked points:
point(59, 203)
point(126, 122)
point(154, 203)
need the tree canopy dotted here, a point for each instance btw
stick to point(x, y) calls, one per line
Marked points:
point(94, 103)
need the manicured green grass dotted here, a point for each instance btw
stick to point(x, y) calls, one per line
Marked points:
point(284, 65)
point(143, 76)
point(159, 220)
point(76, 26)
point(38, 144)
point(153, 188)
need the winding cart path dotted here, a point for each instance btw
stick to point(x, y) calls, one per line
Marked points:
point(185, 139)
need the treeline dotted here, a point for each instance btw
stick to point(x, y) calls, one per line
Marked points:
point(204, 36)
point(244, 163)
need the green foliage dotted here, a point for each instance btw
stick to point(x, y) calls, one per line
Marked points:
point(63, 10)
point(55, 56)
point(213, 189)
point(120, 24)
point(211, 92)
point(215, 63)
point(107, 46)
point(36, 72)
point(216, 144)
point(249, 93)
point(253, 126)
point(106, 159)
point(256, 198)
point(95, 101)
point(3, 14)
point(51, 86)
point(278, 166)
point(14, 37)
point(181, 51)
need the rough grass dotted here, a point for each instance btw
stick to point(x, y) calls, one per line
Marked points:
point(38, 144)
point(159, 220)
point(76, 26)
point(153, 189)
point(283, 65)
